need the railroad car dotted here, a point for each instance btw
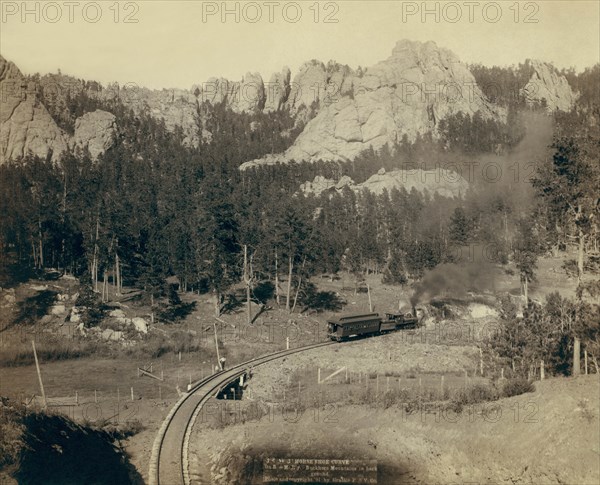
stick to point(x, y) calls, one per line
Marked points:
point(368, 324)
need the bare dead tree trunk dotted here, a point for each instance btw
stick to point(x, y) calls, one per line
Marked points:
point(217, 304)
point(576, 356)
point(117, 268)
point(95, 260)
point(151, 307)
point(580, 254)
point(41, 252)
point(289, 285)
point(277, 279)
point(247, 280)
point(33, 253)
point(105, 287)
point(299, 285)
point(118, 273)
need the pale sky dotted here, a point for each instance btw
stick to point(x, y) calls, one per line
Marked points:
point(180, 43)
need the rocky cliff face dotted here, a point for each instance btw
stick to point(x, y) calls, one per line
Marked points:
point(548, 87)
point(25, 124)
point(277, 90)
point(439, 181)
point(177, 107)
point(343, 111)
point(407, 94)
point(95, 131)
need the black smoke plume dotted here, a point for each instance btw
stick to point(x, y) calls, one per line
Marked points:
point(454, 281)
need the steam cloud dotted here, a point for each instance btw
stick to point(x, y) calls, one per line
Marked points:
point(453, 280)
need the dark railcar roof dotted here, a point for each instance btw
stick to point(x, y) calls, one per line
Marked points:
point(354, 318)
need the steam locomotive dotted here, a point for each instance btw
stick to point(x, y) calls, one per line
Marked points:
point(368, 324)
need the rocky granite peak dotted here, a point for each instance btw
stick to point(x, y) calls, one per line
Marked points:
point(549, 88)
point(25, 124)
point(406, 94)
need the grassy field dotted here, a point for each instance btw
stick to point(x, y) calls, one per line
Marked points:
point(90, 378)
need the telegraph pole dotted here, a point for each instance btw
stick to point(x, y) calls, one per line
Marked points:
point(37, 366)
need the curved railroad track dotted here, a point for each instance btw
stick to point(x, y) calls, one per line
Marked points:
point(169, 459)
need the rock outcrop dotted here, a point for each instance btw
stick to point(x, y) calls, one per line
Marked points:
point(549, 88)
point(176, 107)
point(407, 94)
point(277, 90)
point(445, 183)
point(26, 127)
point(343, 111)
point(95, 131)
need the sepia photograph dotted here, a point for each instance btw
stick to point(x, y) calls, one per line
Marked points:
point(303, 242)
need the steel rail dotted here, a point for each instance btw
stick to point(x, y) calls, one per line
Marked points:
point(169, 457)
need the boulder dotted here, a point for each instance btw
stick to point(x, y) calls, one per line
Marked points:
point(140, 324)
point(108, 334)
point(39, 287)
point(58, 310)
point(75, 315)
point(117, 313)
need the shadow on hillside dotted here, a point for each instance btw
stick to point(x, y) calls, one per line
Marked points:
point(35, 307)
point(59, 451)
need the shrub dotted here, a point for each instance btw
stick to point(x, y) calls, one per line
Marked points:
point(93, 308)
point(515, 387)
point(474, 394)
point(312, 299)
point(570, 267)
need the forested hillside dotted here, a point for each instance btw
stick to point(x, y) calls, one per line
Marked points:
point(152, 208)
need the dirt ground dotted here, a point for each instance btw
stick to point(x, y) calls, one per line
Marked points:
point(397, 355)
point(97, 388)
point(550, 436)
